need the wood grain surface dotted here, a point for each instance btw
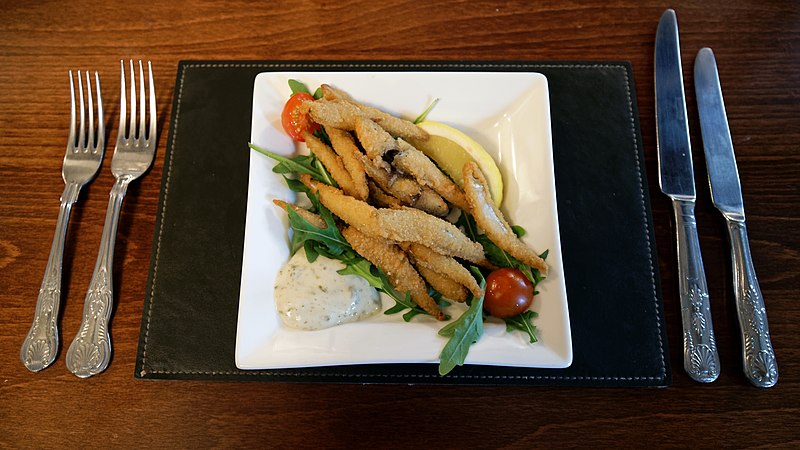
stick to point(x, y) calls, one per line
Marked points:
point(757, 44)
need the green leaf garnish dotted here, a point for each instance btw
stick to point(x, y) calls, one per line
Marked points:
point(297, 86)
point(304, 231)
point(298, 164)
point(421, 117)
point(306, 164)
point(523, 322)
point(463, 332)
point(466, 330)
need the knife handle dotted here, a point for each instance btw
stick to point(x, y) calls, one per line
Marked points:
point(760, 366)
point(700, 358)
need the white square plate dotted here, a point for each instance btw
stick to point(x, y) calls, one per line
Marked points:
point(507, 113)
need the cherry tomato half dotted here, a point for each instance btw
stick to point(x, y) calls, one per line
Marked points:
point(508, 293)
point(294, 119)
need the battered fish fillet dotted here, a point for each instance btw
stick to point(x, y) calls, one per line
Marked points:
point(381, 198)
point(431, 202)
point(415, 163)
point(401, 225)
point(393, 125)
point(412, 225)
point(334, 113)
point(344, 145)
point(355, 212)
point(313, 219)
point(331, 161)
point(443, 284)
point(379, 145)
point(331, 93)
point(428, 258)
point(393, 262)
point(406, 189)
point(491, 220)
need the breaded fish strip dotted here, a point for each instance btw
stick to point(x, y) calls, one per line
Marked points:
point(394, 125)
point(405, 189)
point(391, 260)
point(491, 220)
point(412, 225)
point(334, 113)
point(415, 163)
point(443, 284)
point(431, 202)
point(331, 161)
point(313, 219)
point(355, 212)
point(428, 258)
point(381, 198)
point(376, 142)
point(331, 93)
point(344, 145)
point(400, 225)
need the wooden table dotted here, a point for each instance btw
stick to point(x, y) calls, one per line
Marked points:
point(757, 44)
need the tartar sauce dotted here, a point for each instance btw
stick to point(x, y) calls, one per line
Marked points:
point(312, 296)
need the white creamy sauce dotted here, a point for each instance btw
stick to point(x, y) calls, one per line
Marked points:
point(312, 296)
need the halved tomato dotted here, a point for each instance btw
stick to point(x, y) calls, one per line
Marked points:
point(295, 118)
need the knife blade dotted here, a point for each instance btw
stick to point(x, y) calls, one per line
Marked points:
point(676, 178)
point(758, 356)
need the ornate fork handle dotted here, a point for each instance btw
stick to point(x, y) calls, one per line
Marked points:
point(41, 344)
point(90, 351)
point(701, 360)
point(760, 366)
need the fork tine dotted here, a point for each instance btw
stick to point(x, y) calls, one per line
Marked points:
point(152, 134)
point(122, 105)
point(141, 104)
point(71, 139)
point(101, 129)
point(132, 129)
point(90, 130)
point(82, 130)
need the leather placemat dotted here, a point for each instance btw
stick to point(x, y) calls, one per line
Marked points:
point(610, 263)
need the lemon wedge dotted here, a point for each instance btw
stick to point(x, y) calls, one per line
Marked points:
point(451, 149)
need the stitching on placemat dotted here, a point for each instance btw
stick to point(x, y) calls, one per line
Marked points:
point(349, 65)
point(644, 224)
point(161, 225)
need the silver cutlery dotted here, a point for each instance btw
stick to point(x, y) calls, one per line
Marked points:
point(85, 148)
point(90, 351)
point(676, 178)
point(760, 366)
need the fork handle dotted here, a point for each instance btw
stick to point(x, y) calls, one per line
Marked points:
point(90, 351)
point(41, 344)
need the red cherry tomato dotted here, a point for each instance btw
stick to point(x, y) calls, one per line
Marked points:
point(294, 120)
point(508, 293)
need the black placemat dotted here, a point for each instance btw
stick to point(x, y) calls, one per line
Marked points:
point(616, 314)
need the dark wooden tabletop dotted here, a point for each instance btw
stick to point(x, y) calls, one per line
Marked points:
point(757, 44)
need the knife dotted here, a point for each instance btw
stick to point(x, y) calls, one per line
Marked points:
point(726, 192)
point(676, 178)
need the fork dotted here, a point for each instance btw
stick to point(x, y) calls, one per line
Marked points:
point(81, 163)
point(90, 351)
